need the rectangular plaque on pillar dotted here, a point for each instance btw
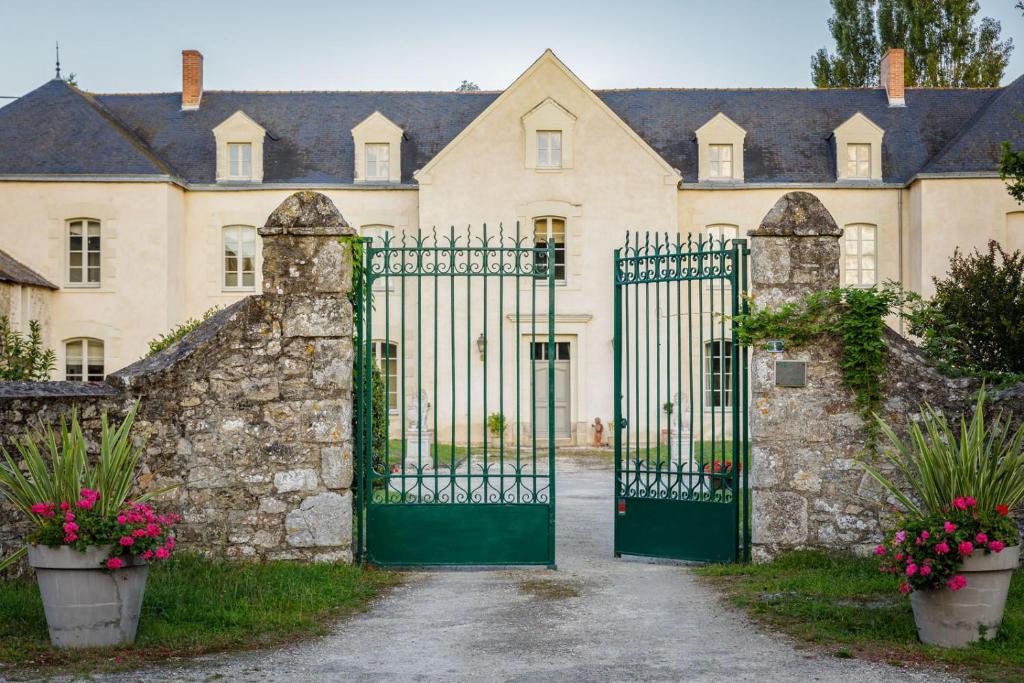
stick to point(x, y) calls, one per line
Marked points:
point(790, 373)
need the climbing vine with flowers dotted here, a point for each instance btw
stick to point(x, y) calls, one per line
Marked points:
point(927, 552)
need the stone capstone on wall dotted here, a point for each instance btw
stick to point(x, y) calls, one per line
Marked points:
point(251, 413)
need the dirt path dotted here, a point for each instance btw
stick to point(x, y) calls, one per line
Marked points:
point(595, 619)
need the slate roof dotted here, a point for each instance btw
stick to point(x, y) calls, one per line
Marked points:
point(57, 129)
point(13, 270)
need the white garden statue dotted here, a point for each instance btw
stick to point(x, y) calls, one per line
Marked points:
point(418, 412)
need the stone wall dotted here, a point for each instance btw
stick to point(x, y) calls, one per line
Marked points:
point(807, 490)
point(250, 413)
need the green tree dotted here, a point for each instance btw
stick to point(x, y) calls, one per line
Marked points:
point(1011, 163)
point(21, 357)
point(468, 86)
point(946, 45)
point(854, 63)
point(974, 325)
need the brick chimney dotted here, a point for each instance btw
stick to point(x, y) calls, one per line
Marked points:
point(191, 78)
point(892, 76)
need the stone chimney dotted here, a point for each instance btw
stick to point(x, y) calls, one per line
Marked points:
point(191, 78)
point(892, 76)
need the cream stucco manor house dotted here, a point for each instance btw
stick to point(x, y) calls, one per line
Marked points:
point(122, 215)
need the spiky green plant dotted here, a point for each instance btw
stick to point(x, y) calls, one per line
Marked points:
point(54, 467)
point(984, 460)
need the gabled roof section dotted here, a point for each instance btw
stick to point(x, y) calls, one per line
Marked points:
point(240, 118)
point(977, 147)
point(859, 119)
point(549, 57)
point(57, 129)
point(721, 119)
point(13, 270)
point(377, 118)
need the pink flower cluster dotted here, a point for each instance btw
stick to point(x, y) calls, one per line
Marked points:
point(928, 551)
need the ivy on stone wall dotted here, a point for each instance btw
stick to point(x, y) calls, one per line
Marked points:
point(853, 316)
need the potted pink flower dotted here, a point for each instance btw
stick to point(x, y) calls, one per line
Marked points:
point(91, 545)
point(955, 548)
point(956, 565)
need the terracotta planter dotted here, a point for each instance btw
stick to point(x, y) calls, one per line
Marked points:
point(957, 618)
point(86, 604)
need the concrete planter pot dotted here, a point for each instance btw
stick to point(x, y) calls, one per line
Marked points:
point(957, 618)
point(86, 604)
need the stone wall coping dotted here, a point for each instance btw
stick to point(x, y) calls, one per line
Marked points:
point(797, 214)
point(55, 390)
point(304, 231)
point(165, 359)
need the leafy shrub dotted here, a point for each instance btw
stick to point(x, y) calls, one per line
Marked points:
point(974, 325)
point(176, 333)
point(379, 409)
point(496, 423)
point(24, 358)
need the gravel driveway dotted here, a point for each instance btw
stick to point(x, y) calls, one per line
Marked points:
point(595, 619)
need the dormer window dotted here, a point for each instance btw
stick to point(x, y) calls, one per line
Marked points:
point(239, 142)
point(858, 160)
point(378, 161)
point(720, 150)
point(720, 161)
point(377, 143)
point(240, 160)
point(549, 149)
point(858, 148)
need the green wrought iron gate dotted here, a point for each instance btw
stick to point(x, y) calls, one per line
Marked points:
point(456, 470)
point(681, 409)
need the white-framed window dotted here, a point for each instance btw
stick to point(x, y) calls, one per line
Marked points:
point(720, 234)
point(378, 161)
point(84, 249)
point(858, 160)
point(379, 236)
point(720, 161)
point(550, 228)
point(549, 149)
point(385, 354)
point(83, 360)
point(860, 251)
point(240, 160)
point(239, 257)
point(717, 374)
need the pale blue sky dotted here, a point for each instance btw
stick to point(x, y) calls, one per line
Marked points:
point(397, 45)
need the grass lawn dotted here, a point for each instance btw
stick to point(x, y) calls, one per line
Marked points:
point(846, 606)
point(195, 606)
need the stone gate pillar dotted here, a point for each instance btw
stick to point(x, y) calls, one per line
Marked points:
point(307, 275)
point(802, 477)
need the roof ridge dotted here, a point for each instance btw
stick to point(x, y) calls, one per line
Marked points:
point(122, 129)
point(309, 92)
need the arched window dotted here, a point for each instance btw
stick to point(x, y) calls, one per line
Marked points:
point(718, 373)
point(239, 257)
point(83, 360)
point(83, 249)
point(379, 235)
point(860, 254)
point(550, 228)
point(385, 354)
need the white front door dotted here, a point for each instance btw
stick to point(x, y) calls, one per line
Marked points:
point(562, 400)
